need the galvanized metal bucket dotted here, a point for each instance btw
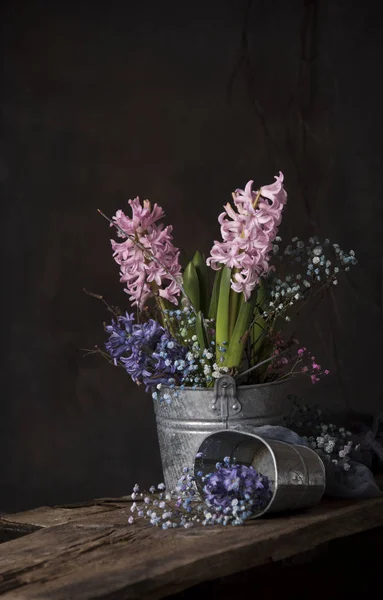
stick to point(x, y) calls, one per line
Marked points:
point(297, 473)
point(191, 415)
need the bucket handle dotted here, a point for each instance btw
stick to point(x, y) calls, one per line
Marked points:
point(226, 398)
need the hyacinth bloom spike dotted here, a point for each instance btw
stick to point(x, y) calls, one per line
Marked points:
point(147, 351)
point(151, 265)
point(248, 233)
point(247, 238)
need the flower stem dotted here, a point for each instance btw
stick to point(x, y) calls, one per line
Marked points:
point(233, 309)
point(240, 334)
point(263, 362)
point(222, 322)
point(162, 308)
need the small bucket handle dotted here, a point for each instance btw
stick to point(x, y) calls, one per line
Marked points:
point(226, 398)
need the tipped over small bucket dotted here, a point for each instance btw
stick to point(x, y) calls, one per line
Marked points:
point(297, 473)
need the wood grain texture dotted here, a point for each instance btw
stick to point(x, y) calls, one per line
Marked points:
point(48, 517)
point(98, 555)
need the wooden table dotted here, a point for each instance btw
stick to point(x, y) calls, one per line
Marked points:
point(90, 551)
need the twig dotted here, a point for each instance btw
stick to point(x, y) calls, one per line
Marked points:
point(263, 362)
point(99, 297)
point(98, 350)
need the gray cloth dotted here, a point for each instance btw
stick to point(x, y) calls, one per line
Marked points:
point(357, 482)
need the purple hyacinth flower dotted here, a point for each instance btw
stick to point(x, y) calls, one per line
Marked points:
point(146, 350)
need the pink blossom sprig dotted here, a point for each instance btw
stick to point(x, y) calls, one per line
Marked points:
point(148, 259)
point(301, 362)
point(248, 234)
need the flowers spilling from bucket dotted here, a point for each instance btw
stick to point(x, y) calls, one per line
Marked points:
point(231, 494)
point(233, 312)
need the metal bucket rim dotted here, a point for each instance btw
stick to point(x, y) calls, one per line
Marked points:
point(265, 442)
point(239, 387)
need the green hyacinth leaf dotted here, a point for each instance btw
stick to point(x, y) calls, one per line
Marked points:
point(239, 336)
point(212, 314)
point(191, 285)
point(235, 301)
point(257, 338)
point(199, 263)
point(201, 332)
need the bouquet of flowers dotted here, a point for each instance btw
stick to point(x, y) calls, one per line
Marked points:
point(226, 314)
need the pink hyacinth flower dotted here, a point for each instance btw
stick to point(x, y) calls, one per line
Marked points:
point(154, 263)
point(248, 233)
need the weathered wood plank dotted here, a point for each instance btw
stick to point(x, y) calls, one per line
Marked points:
point(48, 516)
point(99, 556)
point(16, 525)
point(11, 531)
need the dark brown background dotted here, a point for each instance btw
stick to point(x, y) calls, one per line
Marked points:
point(180, 103)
